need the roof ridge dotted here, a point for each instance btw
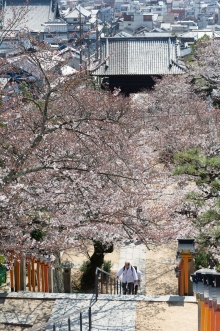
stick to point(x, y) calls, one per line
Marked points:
point(178, 65)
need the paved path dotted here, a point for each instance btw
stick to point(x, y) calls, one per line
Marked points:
point(136, 254)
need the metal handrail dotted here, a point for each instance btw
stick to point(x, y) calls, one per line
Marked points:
point(53, 321)
point(117, 282)
point(105, 272)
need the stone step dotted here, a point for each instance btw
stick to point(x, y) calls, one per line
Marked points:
point(114, 315)
point(106, 315)
point(67, 307)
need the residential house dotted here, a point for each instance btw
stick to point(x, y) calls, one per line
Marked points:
point(134, 20)
point(72, 57)
point(106, 14)
point(55, 32)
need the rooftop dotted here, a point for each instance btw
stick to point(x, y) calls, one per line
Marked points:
point(139, 56)
point(39, 11)
point(77, 11)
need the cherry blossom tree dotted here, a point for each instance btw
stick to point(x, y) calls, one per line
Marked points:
point(183, 124)
point(11, 22)
point(73, 167)
point(78, 164)
point(177, 117)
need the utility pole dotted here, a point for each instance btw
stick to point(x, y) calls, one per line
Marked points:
point(97, 38)
point(1, 14)
point(88, 50)
point(80, 38)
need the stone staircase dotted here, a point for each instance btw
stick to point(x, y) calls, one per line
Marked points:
point(23, 311)
point(106, 315)
point(109, 312)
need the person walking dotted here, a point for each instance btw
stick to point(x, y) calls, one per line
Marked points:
point(129, 276)
point(138, 282)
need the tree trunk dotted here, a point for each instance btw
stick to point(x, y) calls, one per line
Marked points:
point(96, 260)
point(58, 276)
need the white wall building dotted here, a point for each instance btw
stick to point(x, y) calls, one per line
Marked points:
point(134, 20)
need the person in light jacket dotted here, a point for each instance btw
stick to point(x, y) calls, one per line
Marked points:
point(129, 277)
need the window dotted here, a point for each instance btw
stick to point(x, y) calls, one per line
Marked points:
point(147, 18)
point(128, 17)
point(49, 36)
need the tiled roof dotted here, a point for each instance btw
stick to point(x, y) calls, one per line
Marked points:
point(76, 12)
point(139, 56)
point(122, 34)
point(40, 12)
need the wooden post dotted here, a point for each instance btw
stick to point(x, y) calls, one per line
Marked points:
point(23, 274)
point(186, 272)
point(15, 275)
point(217, 320)
point(202, 316)
point(38, 276)
point(182, 279)
point(42, 275)
point(46, 278)
point(199, 314)
point(208, 318)
point(50, 279)
point(205, 319)
point(29, 275)
point(18, 275)
point(212, 323)
point(33, 275)
point(12, 273)
point(211, 315)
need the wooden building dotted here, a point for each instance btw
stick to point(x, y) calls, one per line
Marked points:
point(131, 62)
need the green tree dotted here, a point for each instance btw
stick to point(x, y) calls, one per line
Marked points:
point(203, 204)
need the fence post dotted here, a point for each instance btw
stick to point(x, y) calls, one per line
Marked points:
point(80, 318)
point(29, 275)
point(96, 285)
point(33, 275)
point(38, 276)
point(106, 284)
point(23, 274)
point(54, 327)
point(114, 285)
point(12, 273)
point(69, 325)
point(101, 282)
point(90, 319)
point(110, 285)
